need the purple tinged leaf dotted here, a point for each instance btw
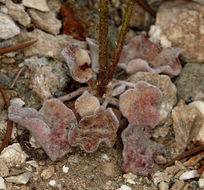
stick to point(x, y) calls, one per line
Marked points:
point(78, 61)
point(49, 126)
point(142, 55)
point(139, 151)
point(94, 129)
point(86, 104)
point(140, 105)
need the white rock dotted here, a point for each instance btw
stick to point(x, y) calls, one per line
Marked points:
point(65, 169)
point(37, 4)
point(13, 155)
point(18, 101)
point(20, 179)
point(2, 184)
point(189, 175)
point(8, 28)
point(125, 187)
point(201, 182)
point(18, 13)
point(52, 183)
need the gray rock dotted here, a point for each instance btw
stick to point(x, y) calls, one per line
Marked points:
point(37, 4)
point(18, 13)
point(46, 21)
point(181, 22)
point(47, 45)
point(19, 179)
point(187, 122)
point(13, 155)
point(163, 82)
point(190, 83)
point(45, 76)
point(8, 28)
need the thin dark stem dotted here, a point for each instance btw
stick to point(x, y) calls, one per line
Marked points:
point(9, 123)
point(147, 7)
point(121, 39)
point(103, 47)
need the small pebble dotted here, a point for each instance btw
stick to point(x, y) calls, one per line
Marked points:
point(48, 172)
point(189, 175)
point(105, 157)
point(65, 169)
point(52, 183)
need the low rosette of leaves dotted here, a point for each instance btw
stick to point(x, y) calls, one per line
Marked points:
point(55, 126)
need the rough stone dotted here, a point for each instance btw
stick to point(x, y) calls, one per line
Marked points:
point(19, 179)
point(13, 155)
point(46, 21)
point(181, 23)
point(168, 89)
point(46, 76)
point(48, 172)
point(18, 13)
point(187, 121)
point(37, 4)
point(190, 83)
point(8, 28)
point(4, 171)
point(47, 45)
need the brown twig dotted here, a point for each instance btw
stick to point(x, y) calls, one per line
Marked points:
point(103, 48)
point(185, 155)
point(14, 48)
point(147, 7)
point(9, 123)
